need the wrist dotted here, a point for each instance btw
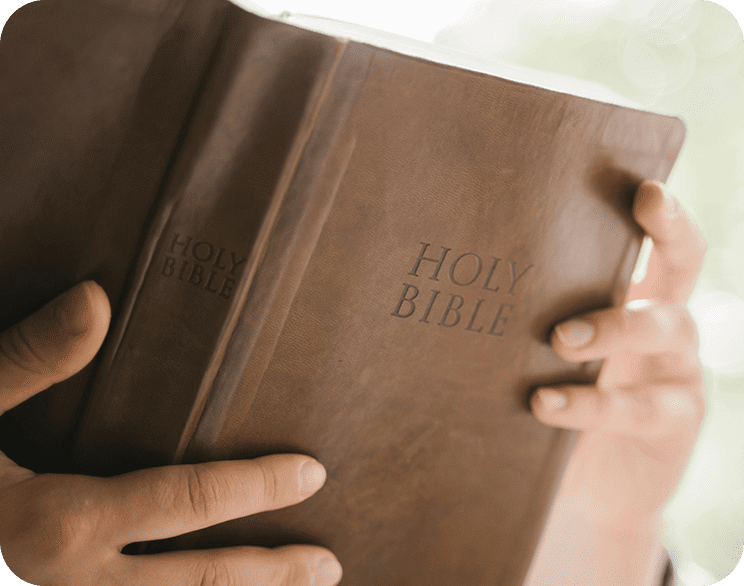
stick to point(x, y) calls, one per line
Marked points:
point(579, 548)
point(576, 504)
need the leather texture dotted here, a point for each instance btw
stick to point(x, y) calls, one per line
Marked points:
point(317, 246)
point(93, 102)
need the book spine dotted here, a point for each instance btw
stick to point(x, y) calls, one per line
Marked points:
point(93, 173)
point(289, 248)
point(256, 112)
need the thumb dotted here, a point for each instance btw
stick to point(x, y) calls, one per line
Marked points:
point(53, 343)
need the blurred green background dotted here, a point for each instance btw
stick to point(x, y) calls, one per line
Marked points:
point(679, 57)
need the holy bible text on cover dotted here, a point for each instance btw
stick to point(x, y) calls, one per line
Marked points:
point(314, 245)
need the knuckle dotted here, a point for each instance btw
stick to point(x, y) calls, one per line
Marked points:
point(16, 348)
point(58, 529)
point(621, 410)
point(678, 410)
point(643, 418)
point(281, 575)
point(74, 528)
point(267, 489)
point(52, 527)
point(677, 323)
point(203, 492)
point(288, 570)
point(215, 571)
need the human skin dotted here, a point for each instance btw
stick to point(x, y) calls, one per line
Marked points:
point(639, 425)
point(639, 422)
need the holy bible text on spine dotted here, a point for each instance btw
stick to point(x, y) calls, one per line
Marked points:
point(317, 245)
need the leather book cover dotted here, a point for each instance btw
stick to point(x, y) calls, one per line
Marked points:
point(316, 245)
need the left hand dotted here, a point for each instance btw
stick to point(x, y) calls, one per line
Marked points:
point(640, 421)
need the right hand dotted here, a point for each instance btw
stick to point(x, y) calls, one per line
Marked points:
point(64, 530)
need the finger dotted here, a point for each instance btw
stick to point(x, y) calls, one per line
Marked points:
point(53, 343)
point(651, 328)
point(165, 502)
point(297, 565)
point(678, 246)
point(656, 411)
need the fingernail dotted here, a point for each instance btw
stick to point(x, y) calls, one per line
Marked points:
point(551, 399)
point(327, 573)
point(71, 310)
point(671, 205)
point(575, 333)
point(312, 477)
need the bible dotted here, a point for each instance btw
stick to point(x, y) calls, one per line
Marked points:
point(317, 239)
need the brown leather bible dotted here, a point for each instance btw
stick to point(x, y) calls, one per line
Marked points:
point(319, 245)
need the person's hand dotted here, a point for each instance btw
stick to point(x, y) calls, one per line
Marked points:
point(641, 420)
point(65, 530)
